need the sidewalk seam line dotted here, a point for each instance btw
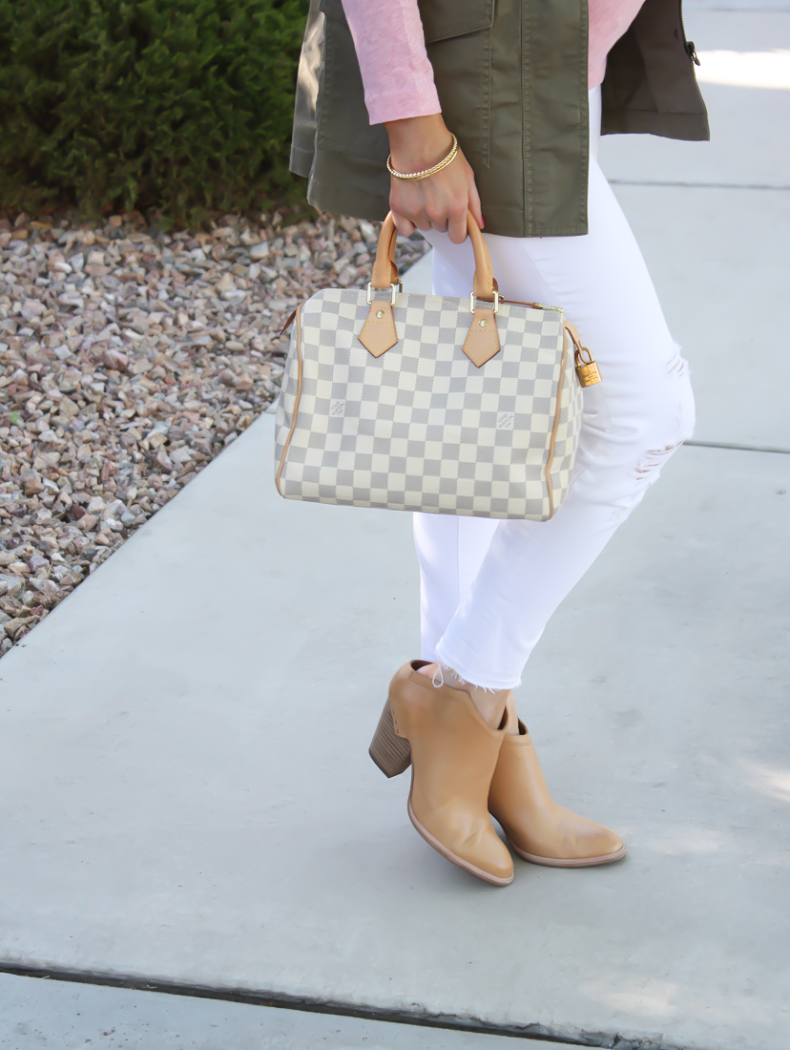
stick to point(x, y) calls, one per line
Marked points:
point(738, 448)
point(283, 1000)
point(697, 185)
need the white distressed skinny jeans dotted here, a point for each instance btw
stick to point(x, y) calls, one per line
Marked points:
point(488, 586)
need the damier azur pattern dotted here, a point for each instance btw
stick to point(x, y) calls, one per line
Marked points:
point(421, 428)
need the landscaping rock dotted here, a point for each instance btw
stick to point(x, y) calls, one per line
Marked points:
point(128, 361)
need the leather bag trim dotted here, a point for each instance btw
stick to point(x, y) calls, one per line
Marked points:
point(298, 398)
point(555, 428)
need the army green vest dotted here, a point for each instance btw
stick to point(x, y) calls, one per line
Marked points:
point(512, 82)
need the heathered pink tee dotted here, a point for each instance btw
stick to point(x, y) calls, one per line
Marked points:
point(397, 75)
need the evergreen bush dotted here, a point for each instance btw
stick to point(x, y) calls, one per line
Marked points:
point(183, 105)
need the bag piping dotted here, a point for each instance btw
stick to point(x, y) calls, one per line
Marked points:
point(560, 382)
point(298, 399)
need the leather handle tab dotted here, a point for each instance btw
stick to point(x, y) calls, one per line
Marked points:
point(385, 272)
point(378, 333)
point(482, 340)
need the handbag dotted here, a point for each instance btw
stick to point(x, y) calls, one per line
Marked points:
point(407, 401)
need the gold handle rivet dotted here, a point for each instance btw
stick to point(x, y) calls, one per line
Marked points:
point(483, 323)
point(379, 314)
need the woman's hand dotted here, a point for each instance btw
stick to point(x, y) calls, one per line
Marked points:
point(441, 201)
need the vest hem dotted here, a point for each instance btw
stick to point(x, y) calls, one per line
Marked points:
point(345, 200)
point(300, 162)
point(689, 127)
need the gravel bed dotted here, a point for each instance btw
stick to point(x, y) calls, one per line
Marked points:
point(129, 358)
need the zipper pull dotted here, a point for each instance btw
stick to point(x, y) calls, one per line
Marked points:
point(288, 323)
point(691, 51)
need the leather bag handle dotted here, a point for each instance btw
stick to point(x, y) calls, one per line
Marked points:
point(385, 272)
point(484, 285)
point(378, 332)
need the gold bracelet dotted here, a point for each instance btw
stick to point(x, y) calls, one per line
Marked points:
point(428, 171)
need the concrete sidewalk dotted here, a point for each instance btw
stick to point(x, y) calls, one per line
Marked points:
point(712, 219)
point(67, 1015)
point(188, 799)
point(188, 795)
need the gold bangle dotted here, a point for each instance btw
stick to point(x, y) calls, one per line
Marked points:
point(428, 171)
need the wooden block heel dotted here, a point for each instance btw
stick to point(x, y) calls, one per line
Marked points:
point(390, 752)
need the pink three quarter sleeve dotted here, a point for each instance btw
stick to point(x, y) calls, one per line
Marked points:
point(390, 45)
point(397, 75)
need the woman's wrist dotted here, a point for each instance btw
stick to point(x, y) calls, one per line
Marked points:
point(417, 143)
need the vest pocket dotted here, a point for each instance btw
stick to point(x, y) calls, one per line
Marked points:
point(458, 38)
point(445, 19)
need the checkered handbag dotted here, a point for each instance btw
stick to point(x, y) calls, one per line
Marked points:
point(430, 403)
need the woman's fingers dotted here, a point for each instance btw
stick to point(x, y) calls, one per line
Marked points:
point(437, 217)
point(439, 202)
point(404, 226)
point(408, 209)
point(456, 227)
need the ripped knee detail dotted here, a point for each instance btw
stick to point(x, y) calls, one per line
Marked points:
point(680, 420)
point(677, 365)
point(649, 466)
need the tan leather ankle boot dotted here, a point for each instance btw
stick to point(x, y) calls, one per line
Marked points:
point(539, 829)
point(453, 757)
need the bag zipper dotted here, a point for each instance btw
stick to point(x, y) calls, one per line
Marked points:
point(535, 306)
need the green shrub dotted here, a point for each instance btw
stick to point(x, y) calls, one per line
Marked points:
point(118, 104)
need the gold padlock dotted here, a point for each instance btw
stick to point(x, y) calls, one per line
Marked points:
point(586, 368)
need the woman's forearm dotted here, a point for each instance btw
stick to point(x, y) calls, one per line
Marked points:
point(417, 143)
point(400, 93)
point(390, 45)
